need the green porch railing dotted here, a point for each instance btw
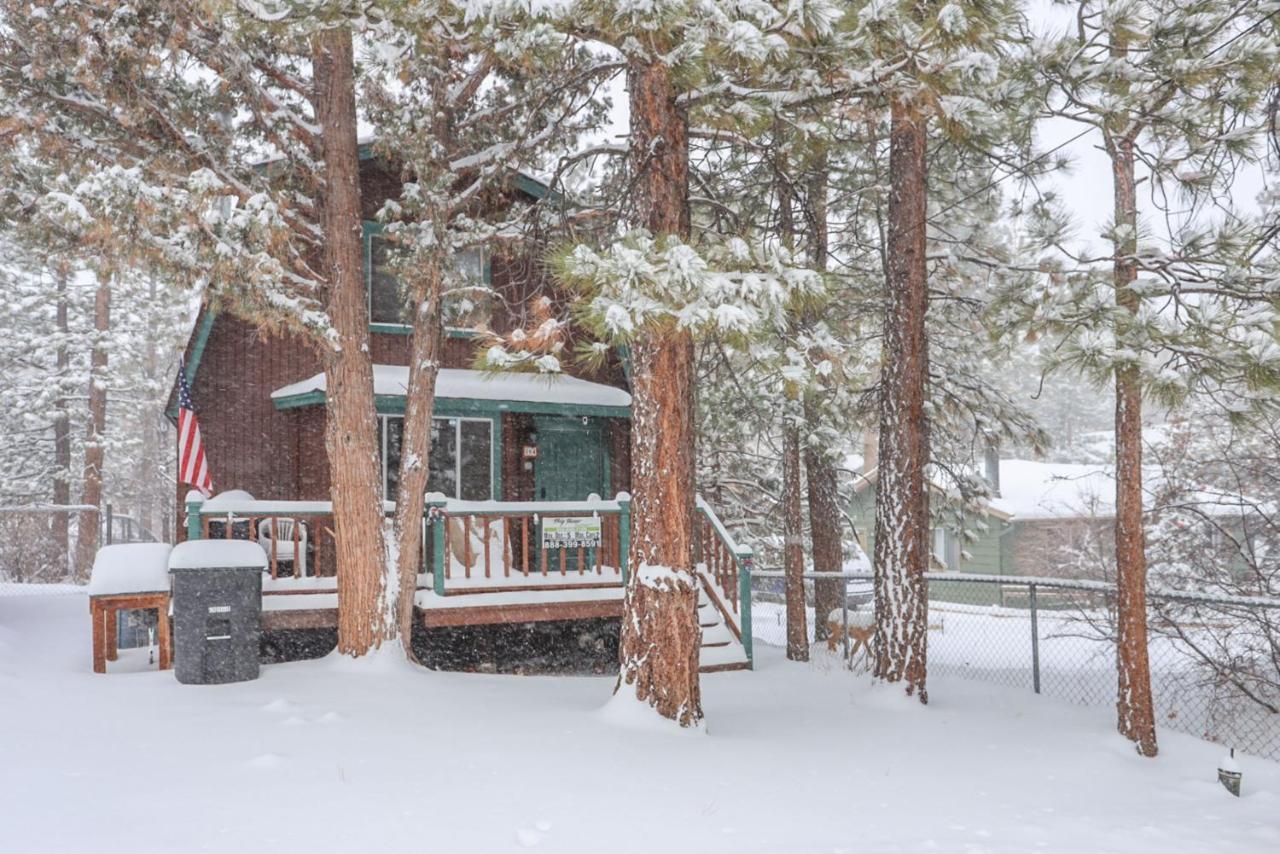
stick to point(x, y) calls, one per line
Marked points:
point(529, 513)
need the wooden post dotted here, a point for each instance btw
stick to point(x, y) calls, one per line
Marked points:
point(524, 544)
point(275, 533)
point(486, 524)
point(99, 639)
point(111, 621)
point(744, 600)
point(435, 507)
point(466, 544)
point(163, 637)
point(194, 502)
point(624, 532)
point(506, 546)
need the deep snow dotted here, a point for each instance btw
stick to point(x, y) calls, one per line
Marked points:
point(380, 757)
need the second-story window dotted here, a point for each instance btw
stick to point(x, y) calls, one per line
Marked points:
point(386, 303)
point(467, 307)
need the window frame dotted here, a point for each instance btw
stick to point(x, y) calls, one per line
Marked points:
point(494, 454)
point(370, 230)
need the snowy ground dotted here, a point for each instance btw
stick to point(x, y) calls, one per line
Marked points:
point(323, 756)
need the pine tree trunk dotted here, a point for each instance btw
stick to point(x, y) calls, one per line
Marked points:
point(820, 471)
point(793, 544)
point(149, 483)
point(62, 427)
point(902, 499)
point(824, 528)
point(1135, 712)
point(88, 526)
point(660, 633)
point(366, 598)
point(415, 449)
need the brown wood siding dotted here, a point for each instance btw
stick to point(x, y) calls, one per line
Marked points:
point(277, 454)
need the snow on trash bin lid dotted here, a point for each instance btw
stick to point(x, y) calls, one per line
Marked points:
point(130, 568)
point(217, 554)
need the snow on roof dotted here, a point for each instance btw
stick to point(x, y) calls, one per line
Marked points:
point(1036, 490)
point(130, 568)
point(217, 554)
point(462, 384)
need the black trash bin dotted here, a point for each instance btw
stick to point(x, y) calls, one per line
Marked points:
point(217, 610)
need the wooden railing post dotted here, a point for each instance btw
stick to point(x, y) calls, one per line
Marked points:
point(744, 557)
point(436, 503)
point(194, 502)
point(624, 532)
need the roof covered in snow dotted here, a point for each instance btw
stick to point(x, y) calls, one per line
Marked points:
point(462, 384)
point(1036, 490)
point(130, 568)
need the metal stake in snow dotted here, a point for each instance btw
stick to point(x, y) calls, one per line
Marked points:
point(1229, 773)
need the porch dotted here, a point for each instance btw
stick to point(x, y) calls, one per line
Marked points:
point(487, 563)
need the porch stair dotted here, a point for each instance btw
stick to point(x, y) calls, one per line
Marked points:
point(721, 648)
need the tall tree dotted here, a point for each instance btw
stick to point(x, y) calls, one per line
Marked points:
point(89, 523)
point(366, 598)
point(1155, 79)
point(210, 138)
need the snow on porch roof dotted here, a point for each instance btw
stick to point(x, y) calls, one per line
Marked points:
point(509, 391)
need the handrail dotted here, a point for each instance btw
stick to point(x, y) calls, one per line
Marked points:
point(721, 565)
point(721, 530)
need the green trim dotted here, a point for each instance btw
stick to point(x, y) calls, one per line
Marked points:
point(388, 404)
point(294, 401)
point(533, 187)
point(406, 329)
point(203, 330)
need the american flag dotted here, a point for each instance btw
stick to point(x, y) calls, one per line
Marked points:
point(193, 468)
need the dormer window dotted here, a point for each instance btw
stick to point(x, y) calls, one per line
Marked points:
point(465, 307)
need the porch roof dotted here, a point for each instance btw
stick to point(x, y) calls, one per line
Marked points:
point(481, 391)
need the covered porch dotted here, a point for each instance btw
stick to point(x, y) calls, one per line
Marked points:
point(489, 563)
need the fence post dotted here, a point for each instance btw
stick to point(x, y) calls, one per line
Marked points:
point(624, 532)
point(194, 502)
point(844, 625)
point(744, 603)
point(436, 503)
point(109, 525)
point(1035, 644)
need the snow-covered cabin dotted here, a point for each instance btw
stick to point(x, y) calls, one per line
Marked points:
point(507, 451)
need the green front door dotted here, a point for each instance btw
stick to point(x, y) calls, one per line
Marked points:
point(573, 460)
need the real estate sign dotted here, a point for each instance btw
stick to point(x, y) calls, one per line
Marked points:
point(571, 532)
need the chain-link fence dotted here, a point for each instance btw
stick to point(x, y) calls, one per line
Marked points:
point(1215, 660)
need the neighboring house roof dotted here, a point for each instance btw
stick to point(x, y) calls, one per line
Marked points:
point(1033, 491)
point(1036, 490)
point(866, 479)
point(517, 392)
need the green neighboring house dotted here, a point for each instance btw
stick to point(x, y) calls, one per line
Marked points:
point(982, 552)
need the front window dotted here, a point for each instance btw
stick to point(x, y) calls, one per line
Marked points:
point(461, 461)
point(466, 304)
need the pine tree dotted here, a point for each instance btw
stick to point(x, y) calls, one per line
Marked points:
point(152, 121)
point(1171, 85)
point(950, 48)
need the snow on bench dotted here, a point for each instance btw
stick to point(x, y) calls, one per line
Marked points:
point(130, 568)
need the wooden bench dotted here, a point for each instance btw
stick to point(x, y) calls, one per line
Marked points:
point(105, 612)
point(129, 577)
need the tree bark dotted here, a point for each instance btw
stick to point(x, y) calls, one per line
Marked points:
point(1134, 708)
point(820, 470)
point(660, 641)
point(62, 425)
point(415, 450)
point(793, 544)
point(88, 526)
point(366, 595)
point(902, 499)
point(824, 528)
